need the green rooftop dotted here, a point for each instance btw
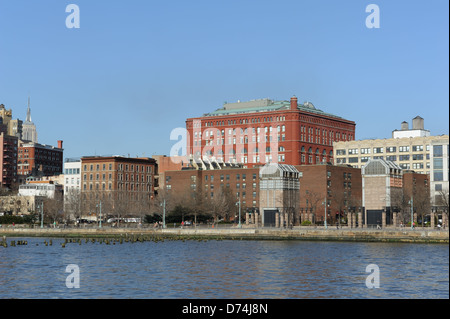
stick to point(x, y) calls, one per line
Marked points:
point(264, 105)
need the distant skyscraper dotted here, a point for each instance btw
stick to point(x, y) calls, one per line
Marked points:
point(29, 132)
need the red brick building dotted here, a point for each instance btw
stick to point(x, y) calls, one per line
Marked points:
point(340, 185)
point(243, 183)
point(261, 131)
point(8, 159)
point(35, 158)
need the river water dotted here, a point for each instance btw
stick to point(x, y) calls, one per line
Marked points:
point(226, 269)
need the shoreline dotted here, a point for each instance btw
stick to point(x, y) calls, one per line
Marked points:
point(307, 234)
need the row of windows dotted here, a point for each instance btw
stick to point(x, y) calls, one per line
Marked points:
point(120, 177)
point(437, 149)
point(242, 121)
point(120, 186)
point(232, 131)
point(242, 140)
point(131, 167)
point(70, 171)
point(392, 158)
point(238, 185)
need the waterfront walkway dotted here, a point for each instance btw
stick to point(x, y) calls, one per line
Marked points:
point(418, 235)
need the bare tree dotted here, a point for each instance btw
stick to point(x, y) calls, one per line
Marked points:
point(422, 204)
point(400, 203)
point(164, 201)
point(442, 201)
point(72, 204)
point(313, 200)
point(221, 204)
point(291, 203)
point(53, 207)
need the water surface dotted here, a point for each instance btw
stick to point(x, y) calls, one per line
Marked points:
point(224, 269)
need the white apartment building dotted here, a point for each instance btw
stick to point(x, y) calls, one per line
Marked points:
point(413, 149)
point(72, 174)
point(72, 186)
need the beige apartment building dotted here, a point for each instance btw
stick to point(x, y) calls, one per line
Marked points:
point(411, 149)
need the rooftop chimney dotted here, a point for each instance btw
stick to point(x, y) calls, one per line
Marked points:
point(294, 103)
point(60, 144)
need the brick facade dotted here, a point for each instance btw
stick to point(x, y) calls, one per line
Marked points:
point(257, 132)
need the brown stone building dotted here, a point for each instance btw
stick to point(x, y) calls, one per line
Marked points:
point(124, 185)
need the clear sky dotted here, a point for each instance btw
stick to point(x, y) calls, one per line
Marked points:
point(136, 69)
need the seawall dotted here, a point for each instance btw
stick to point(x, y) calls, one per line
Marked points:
point(303, 233)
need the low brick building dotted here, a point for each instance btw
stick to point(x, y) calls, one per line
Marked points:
point(123, 185)
point(340, 185)
point(243, 183)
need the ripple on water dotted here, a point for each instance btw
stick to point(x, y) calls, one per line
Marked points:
point(224, 269)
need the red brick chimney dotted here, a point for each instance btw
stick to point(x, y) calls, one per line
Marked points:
point(294, 103)
point(60, 143)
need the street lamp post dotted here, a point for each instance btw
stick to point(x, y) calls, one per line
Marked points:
point(325, 204)
point(100, 207)
point(163, 204)
point(164, 214)
point(412, 211)
point(239, 203)
point(41, 206)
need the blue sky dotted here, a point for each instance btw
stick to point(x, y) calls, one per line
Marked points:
point(135, 70)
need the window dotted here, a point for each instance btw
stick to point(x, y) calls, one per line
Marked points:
point(417, 166)
point(437, 150)
point(417, 148)
point(352, 151)
point(340, 152)
point(365, 151)
point(403, 158)
point(391, 149)
point(403, 149)
point(437, 163)
point(391, 158)
point(438, 176)
point(377, 150)
point(353, 160)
